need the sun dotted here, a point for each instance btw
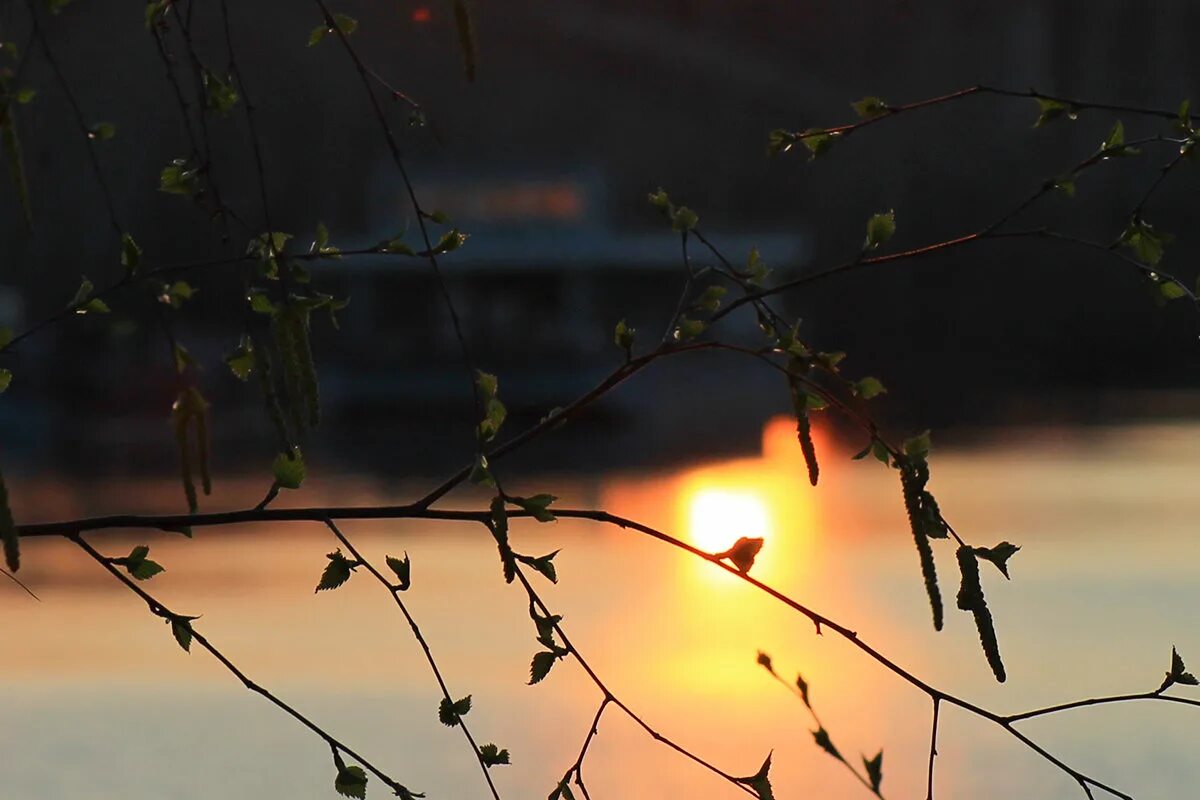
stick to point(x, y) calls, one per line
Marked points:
point(718, 517)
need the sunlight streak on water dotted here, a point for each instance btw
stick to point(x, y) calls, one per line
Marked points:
point(1106, 582)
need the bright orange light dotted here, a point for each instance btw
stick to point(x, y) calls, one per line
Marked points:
point(718, 517)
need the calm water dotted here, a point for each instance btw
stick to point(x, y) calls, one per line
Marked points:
point(99, 702)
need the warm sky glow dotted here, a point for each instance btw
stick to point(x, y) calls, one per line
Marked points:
point(718, 517)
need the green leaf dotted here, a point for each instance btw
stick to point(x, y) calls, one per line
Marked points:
point(539, 668)
point(868, 388)
point(870, 108)
point(1050, 110)
point(451, 714)
point(802, 685)
point(241, 360)
point(1065, 184)
point(660, 200)
point(351, 782)
point(880, 228)
point(102, 131)
point(1114, 143)
point(623, 336)
point(687, 329)
point(821, 737)
point(145, 569)
point(543, 564)
point(684, 219)
point(137, 565)
point(492, 755)
point(450, 241)
point(289, 469)
point(760, 782)
point(780, 141)
point(710, 299)
point(181, 629)
point(183, 359)
point(5, 380)
point(260, 303)
point(817, 142)
point(1178, 673)
point(25, 95)
point(220, 96)
point(1171, 290)
point(1146, 242)
point(403, 570)
point(998, 555)
point(179, 177)
point(6, 337)
point(743, 553)
point(317, 34)
point(336, 572)
point(918, 446)
point(131, 254)
point(82, 293)
point(537, 506)
point(8, 531)
point(874, 768)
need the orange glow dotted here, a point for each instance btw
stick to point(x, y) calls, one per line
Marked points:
point(717, 517)
point(421, 14)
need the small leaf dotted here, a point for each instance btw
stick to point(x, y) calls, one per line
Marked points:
point(1178, 673)
point(1050, 110)
point(5, 380)
point(336, 572)
point(82, 293)
point(451, 714)
point(403, 570)
point(998, 555)
point(760, 782)
point(821, 737)
point(684, 219)
point(241, 361)
point(880, 228)
point(817, 142)
point(687, 329)
point(869, 388)
point(545, 565)
point(351, 782)
point(918, 446)
point(874, 769)
point(145, 569)
point(102, 131)
point(1171, 290)
point(623, 336)
point(1114, 144)
point(181, 629)
point(539, 668)
point(492, 755)
point(289, 470)
point(802, 685)
point(131, 254)
point(764, 661)
point(537, 506)
point(743, 552)
point(870, 107)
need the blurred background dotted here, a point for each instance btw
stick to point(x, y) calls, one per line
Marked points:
point(577, 111)
point(1062, 396)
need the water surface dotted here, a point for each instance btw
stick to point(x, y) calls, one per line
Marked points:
point(101, 703)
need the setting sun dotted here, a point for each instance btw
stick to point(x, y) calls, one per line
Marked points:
point(717, 518)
